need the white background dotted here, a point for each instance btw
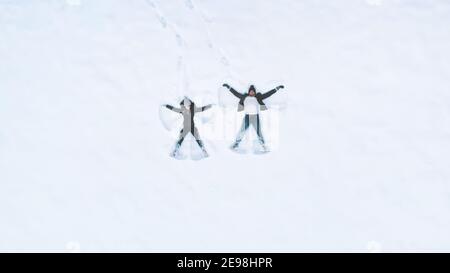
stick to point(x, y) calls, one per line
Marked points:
point(362, 160)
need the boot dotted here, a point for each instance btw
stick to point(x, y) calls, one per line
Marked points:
point(175, 151)
point(235, 145)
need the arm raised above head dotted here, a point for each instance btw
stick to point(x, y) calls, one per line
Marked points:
point(271, 92)
point(233, 91)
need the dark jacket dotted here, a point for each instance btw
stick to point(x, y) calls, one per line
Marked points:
point(188, 113)
point(259, 97)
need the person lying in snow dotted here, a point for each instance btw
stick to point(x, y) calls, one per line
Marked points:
point(251, 102)
point(188, 109)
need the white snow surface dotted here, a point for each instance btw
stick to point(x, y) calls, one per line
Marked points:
point(364, 133)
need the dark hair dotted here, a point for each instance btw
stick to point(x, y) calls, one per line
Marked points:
point(252, 88)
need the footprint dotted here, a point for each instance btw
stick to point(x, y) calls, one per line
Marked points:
point(225, 61)
point(161, 18)
point(163, 21)
point(189, 4)
point(179, 39)
point(151, 3)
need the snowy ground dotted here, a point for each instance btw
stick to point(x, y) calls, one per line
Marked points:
point(363, 139)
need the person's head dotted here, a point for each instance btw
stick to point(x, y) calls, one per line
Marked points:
point(252, 91)
point(186, 102)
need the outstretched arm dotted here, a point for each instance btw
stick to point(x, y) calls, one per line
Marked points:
point(203, 108)
point(233, 91)
point(170, 107)
point(271, 92)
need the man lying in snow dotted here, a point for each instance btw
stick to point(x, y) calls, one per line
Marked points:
point(188, 110)
point(251, 102)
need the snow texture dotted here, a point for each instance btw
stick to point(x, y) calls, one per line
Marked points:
point(359, 138)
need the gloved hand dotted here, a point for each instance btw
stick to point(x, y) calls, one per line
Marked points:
point(226, 85)
point(280, 87)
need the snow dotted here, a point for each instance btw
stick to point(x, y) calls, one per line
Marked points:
point(362, 138)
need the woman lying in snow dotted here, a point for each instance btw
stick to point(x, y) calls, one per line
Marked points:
point(251, 102)
point(188, 109)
